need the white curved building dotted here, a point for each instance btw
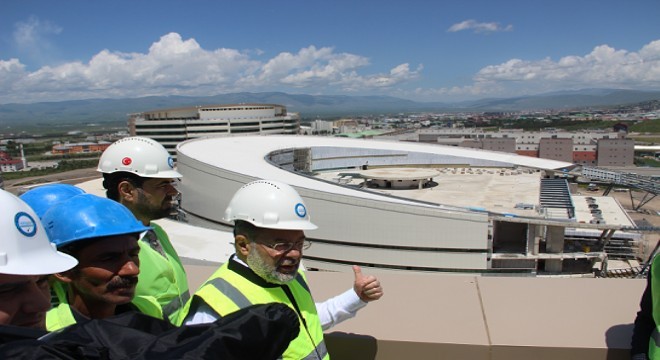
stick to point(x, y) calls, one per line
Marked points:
point(387, 232)
point(172, 126)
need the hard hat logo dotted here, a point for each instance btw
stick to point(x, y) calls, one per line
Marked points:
point(138, 155)
point(25, 224)
point(268, 204)
point(301, 211)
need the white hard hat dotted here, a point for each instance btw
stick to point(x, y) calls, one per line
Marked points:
point(269, 204)
point(141, 156)
point(24, 245)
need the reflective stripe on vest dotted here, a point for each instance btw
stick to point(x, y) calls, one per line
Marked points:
point(227, 291)
point(319, 353)
point(176, 304)
point(231, 292)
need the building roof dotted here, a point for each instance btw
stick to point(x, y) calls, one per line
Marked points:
point(251, 159)
point(459, 316)
point(398, 173)
point(197, 107)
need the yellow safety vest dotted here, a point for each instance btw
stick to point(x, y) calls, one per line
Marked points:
point(227, 291)
point(62, 316)
point(654, 341)
point(163, 278)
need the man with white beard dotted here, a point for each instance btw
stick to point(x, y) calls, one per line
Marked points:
point(269, 222)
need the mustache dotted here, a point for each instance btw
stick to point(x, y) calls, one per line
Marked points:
point(288, 262)
point(121, 282)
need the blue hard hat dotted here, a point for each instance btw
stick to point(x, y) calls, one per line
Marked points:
point(88, 216)
point(41, 198)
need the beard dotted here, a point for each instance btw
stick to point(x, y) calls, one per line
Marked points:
point(154, 212)
point(266, 271)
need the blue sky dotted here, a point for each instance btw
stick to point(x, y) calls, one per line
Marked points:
point(424, 50)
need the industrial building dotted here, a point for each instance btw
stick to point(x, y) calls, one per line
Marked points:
point(79, 148)
point(591, 148)
point(9, 164)
point(172, 126)
point(475, 211)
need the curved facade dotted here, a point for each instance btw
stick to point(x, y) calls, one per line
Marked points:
point(359, 226)
point(172, 126)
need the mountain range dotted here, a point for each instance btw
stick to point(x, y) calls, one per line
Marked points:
point(310, 106)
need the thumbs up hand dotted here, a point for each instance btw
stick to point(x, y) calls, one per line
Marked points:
point(367, 287)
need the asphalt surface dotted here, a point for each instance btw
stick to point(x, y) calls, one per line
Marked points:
point(73, 177)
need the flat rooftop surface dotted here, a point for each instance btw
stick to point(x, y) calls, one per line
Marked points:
point(468, 317)
point(493, 189)
point(399, 173)
point(610, 210)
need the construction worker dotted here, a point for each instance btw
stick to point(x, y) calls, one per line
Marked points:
point(139, 173)
point(103, 236)
point(42, 197)
point(269, 222)
point(26, 260)
point(645, 342)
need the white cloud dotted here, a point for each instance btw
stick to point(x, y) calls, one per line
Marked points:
point(31, 32)
point(31, 38)
point(603, 67)
point(174, 66)
point(397, 75)
point(479, 27)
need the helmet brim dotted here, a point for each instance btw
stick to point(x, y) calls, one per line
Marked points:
point(44, 262)
point(164, 174)
point(168, 174)
point(289, 225)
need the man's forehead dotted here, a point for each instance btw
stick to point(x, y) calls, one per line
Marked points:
point(15, 279)
point(277, 235)
point(111, 243)
point(158, 181)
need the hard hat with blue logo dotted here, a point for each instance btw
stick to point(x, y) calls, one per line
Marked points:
point(41, 198)
point(24, 245)
point(88, 216)
point(269, 204)
point(138, 155)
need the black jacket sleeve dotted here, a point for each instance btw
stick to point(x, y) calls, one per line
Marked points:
point(644, 323)
point(256, 332)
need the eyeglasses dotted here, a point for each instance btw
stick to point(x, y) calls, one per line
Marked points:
point(287, 246)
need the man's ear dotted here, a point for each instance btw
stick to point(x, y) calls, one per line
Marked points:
point(241, 243)
point(126, 191)
point(65, 277)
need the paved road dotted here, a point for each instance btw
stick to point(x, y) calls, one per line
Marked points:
point(67, 177)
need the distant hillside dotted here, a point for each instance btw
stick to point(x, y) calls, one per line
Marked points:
point(309, 106)
point(564, 100)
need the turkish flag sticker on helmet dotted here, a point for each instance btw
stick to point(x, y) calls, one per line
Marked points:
point(126, 161)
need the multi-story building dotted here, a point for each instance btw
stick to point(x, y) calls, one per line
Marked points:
point(79, 148)
point(321, 127)
point(615, 152)
point(9, 164)
point(172, 126)
point(556, 149)
point(602, 148)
